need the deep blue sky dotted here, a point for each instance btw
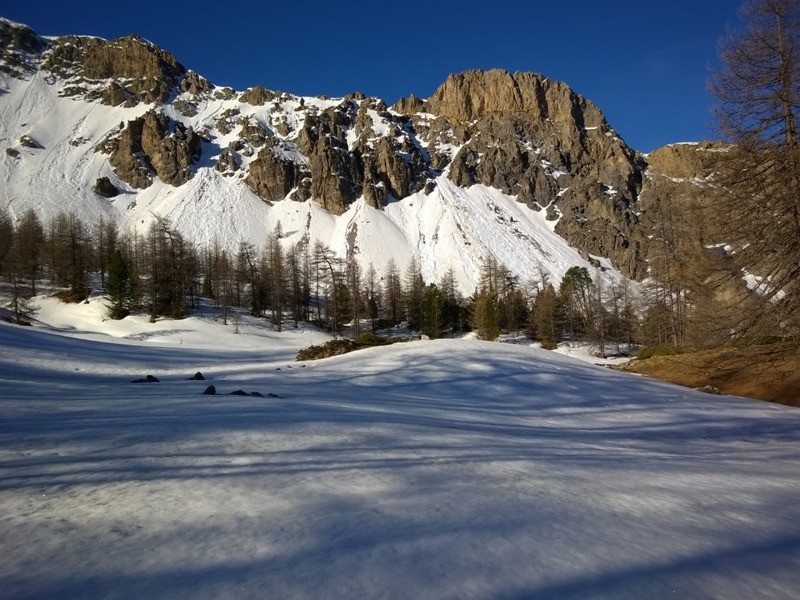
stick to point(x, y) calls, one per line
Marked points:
point(643, 62)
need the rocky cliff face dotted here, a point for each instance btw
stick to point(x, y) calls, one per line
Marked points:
point(126, 70)
point(526, 135)
point(553, 149)
point(674, 192)
point(19, 49)
point(150, 146)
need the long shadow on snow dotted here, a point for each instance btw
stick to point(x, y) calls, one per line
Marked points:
point(683, 443)
point(380, 547)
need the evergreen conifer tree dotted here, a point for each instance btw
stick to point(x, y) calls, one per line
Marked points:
point(119, 288)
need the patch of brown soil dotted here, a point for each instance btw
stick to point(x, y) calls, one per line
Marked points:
point(768, 372)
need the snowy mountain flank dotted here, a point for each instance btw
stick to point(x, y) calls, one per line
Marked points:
point(513, 165)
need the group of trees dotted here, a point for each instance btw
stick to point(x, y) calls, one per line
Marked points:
point(159, 272)
point(28, 249)
point(583, 309)
point(757, 182)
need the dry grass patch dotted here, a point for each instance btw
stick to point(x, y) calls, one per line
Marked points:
point(768, 372)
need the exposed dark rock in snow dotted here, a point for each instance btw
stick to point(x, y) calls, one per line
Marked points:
point(103, 187)
point(709, 389)
point(29, 142)
point(227, 162)
point(257, 96)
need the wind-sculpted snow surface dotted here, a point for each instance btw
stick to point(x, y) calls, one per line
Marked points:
point(448, 469)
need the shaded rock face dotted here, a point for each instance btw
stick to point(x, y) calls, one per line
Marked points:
point(335, 173)
point(127, 156)
point(19, 47)
point(154, 145)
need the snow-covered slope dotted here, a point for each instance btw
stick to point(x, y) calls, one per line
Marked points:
point(447, 469)
point(442, 226)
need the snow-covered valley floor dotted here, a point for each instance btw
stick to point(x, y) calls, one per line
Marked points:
point(445, 469)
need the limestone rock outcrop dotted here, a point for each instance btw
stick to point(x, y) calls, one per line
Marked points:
point(409, 106)
point(153, 145)
point(552, 148)
point(19, 44)
point(195, 84)
point(271, 176)
point(678, 181)
point(335, 174)
point(144, 72)
point(685, 161)
point(227, 162)
point(257, 96)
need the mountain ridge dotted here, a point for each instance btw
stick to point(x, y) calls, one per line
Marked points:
point(533, 140)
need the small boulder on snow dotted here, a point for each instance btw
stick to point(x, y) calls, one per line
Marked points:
point(103, 187)
point(709, 389)
point(29, 142)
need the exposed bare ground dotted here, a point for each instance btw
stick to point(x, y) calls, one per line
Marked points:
point(767, 372)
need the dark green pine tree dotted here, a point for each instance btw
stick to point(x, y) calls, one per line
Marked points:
point(433, 312)
point(547, 317)
point(485, 315)
point(119, 288)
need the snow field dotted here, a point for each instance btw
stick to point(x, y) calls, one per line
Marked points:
point(446, 469)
